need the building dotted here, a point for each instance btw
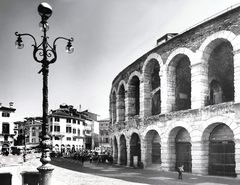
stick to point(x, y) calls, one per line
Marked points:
point(29, 131)
point(72, 130)
point(91, 129)
point(6, 127)
point(179, 103)
point(66, 128)
point(104, 135)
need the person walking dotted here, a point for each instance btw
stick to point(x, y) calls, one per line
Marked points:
point(180, 171)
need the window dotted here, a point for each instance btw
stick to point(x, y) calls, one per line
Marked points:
point(68, 120)
point(57, 138)
point(74, 131)
point(33, 132)
point(56, 119)
point(68, 129)
point(33, 140)
point(68, 138)
point(106, 140)
point(74, 121)
point(79, 132)
point(78, 122)
point(5, 114)
point(74, 139)
point(51, 128)
point(51, 119)
point(5, 128)
point(56, 128)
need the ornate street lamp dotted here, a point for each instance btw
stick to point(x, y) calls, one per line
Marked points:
point(45, 54)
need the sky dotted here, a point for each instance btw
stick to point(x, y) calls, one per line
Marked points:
point(108, 36)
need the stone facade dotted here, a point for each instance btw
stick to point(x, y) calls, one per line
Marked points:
point(180, 102)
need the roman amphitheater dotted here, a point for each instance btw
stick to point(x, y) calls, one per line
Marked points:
point(179, 103)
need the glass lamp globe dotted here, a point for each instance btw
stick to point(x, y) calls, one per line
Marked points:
point(19, 45)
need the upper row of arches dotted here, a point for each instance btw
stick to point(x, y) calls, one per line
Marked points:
point(186, 80)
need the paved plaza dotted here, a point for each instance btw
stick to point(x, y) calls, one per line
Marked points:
point(71, 172)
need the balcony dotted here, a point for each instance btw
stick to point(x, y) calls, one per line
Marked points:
point(59, 134)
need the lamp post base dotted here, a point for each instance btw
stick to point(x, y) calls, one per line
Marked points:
point(46, 173)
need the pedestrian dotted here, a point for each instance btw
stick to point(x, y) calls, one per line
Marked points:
point(180, 171)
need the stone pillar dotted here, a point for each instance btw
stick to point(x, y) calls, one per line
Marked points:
point(171, 86)
point(144, 152)
point(119, 152)
point(128, 151)
point(236, 59)
point(199, 81)
point(145, 97)
point(199, 158)
point(165, 156)
point(164, 91)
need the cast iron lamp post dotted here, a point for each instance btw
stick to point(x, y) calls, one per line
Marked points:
point(45, 54)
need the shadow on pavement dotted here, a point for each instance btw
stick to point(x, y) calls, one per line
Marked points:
point(140, 175)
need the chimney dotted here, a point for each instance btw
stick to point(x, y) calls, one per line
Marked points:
point(10, 104)
point(80, 108)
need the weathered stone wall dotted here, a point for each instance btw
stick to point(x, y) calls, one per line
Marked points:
point(197, 44)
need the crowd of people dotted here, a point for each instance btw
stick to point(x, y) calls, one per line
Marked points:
point(86, 155)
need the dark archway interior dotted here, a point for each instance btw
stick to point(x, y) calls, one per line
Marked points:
point(221, 74)
point(115, 155)
point(135, 149)
point(222, 151)
point(183, 84)
point(121, 103)
point(155, 89)
point(135, 94)
point(183, 150)
point(123, 148)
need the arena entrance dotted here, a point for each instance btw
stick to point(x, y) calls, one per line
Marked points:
point(135, 148)
point(183, 150)
point(153, 150)
point(123, 150)
point(222, 151)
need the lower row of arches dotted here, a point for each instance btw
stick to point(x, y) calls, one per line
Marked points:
point(217, 148)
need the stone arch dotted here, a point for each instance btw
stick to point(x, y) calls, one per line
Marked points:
point(121, 102)
point(115, 149)
point(218, 50)
point(133, 94)
point(135, 149)
point(219, 145)
point(152, 143)
point(123, 150)
point(179, 146)
point(179, 79)
point(152, 84)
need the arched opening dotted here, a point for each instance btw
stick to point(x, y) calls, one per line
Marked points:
point(183, 84)
point(121, 103)
point(220, 72)
point(123, 148)
point(222, 151)
point(135, 149)
point(179, 80)
point(114, 107)
point(183, 150)
point(133, 96)
point(179, 144)
point(153, 150)
point(152, 94)
point(56, 147)
point(115, 150)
